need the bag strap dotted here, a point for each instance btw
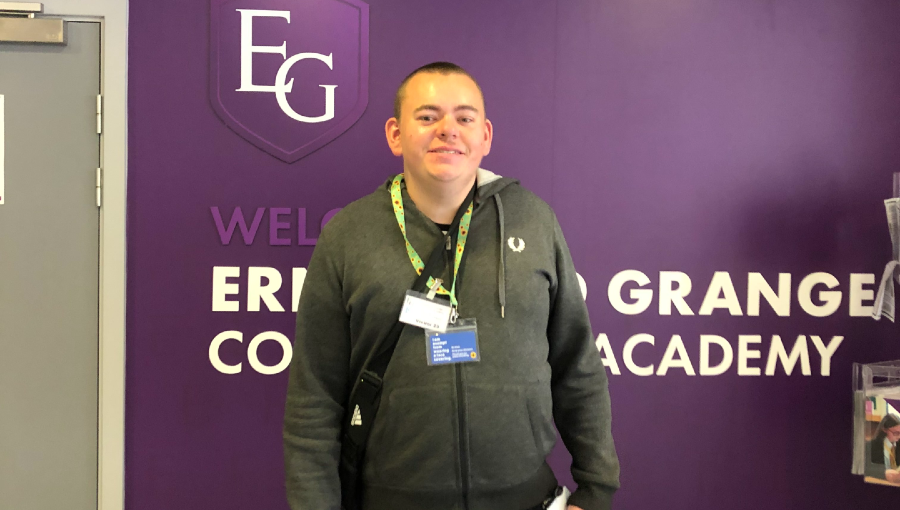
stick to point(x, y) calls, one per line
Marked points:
point(365, 396)
point(378, 363)
point(367, 388)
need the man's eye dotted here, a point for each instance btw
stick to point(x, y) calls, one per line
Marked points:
point(426, 118)
point(467, 120)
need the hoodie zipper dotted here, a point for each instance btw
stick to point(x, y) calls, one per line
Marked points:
point(461, 407)
point(463, 439)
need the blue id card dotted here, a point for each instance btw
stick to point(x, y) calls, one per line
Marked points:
point(459, 344)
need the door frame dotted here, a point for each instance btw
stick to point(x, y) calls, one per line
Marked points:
point(113, 18)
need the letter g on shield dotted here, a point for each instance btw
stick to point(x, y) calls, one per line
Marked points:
point(281, 88)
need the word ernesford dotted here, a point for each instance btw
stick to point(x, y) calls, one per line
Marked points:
point(281, 87)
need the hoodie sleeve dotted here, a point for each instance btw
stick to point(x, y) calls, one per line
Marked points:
point(581, 407)
point(317, 386)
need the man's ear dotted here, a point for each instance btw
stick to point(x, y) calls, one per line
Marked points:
point(392, 133)
point(488, 136)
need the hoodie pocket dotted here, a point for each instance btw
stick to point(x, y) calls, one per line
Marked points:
point(413, 443)
point(510, 432)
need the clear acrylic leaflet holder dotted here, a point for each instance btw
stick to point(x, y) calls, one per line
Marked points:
point(871, 381)
point(877, 383)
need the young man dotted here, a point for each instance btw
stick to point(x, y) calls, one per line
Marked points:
point(469, 434)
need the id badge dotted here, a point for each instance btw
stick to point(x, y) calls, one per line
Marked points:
point(419, 310)
point(457, 344)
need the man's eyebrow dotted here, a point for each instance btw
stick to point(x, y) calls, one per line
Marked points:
point(426, 107)
point(436, 108)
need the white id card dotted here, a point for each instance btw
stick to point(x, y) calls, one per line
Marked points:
point(420, 311)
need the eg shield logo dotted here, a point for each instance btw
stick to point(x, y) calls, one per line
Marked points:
point(289, 76)
point(281, 86)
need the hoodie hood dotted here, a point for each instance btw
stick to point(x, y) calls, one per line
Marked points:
point(489, 183)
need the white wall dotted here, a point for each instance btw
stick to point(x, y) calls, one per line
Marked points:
point(111, 419)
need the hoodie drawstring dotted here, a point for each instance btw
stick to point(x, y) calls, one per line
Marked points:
point(501, 280)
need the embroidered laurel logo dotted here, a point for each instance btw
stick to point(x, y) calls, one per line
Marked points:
point(516, 244)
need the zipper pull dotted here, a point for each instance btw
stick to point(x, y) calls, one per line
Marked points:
point(448, 242)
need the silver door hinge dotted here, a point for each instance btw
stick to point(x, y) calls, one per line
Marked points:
point(99, 187)
point(99, 114)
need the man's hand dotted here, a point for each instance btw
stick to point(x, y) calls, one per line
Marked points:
point(892, 475)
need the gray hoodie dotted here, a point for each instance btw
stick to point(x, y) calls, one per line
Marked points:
point(470, 436)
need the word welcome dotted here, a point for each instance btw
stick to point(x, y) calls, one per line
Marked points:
point(281, 220)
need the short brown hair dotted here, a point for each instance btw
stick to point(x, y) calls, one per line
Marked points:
point(434, 67)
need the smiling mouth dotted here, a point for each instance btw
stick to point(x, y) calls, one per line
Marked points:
point(445, 151)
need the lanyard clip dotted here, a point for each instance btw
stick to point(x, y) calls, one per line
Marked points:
point(434, 288)
point(453, 314)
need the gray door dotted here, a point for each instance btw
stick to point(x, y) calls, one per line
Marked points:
point(49, 267)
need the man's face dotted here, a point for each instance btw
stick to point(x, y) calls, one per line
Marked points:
point(442, 132)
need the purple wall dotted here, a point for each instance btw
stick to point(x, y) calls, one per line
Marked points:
point(702, 136)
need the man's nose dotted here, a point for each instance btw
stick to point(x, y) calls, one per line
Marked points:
point(447, 127)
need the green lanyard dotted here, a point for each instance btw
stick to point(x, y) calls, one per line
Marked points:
point(397, 202)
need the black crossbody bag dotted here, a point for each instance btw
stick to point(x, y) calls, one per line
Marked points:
point(366, 394)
